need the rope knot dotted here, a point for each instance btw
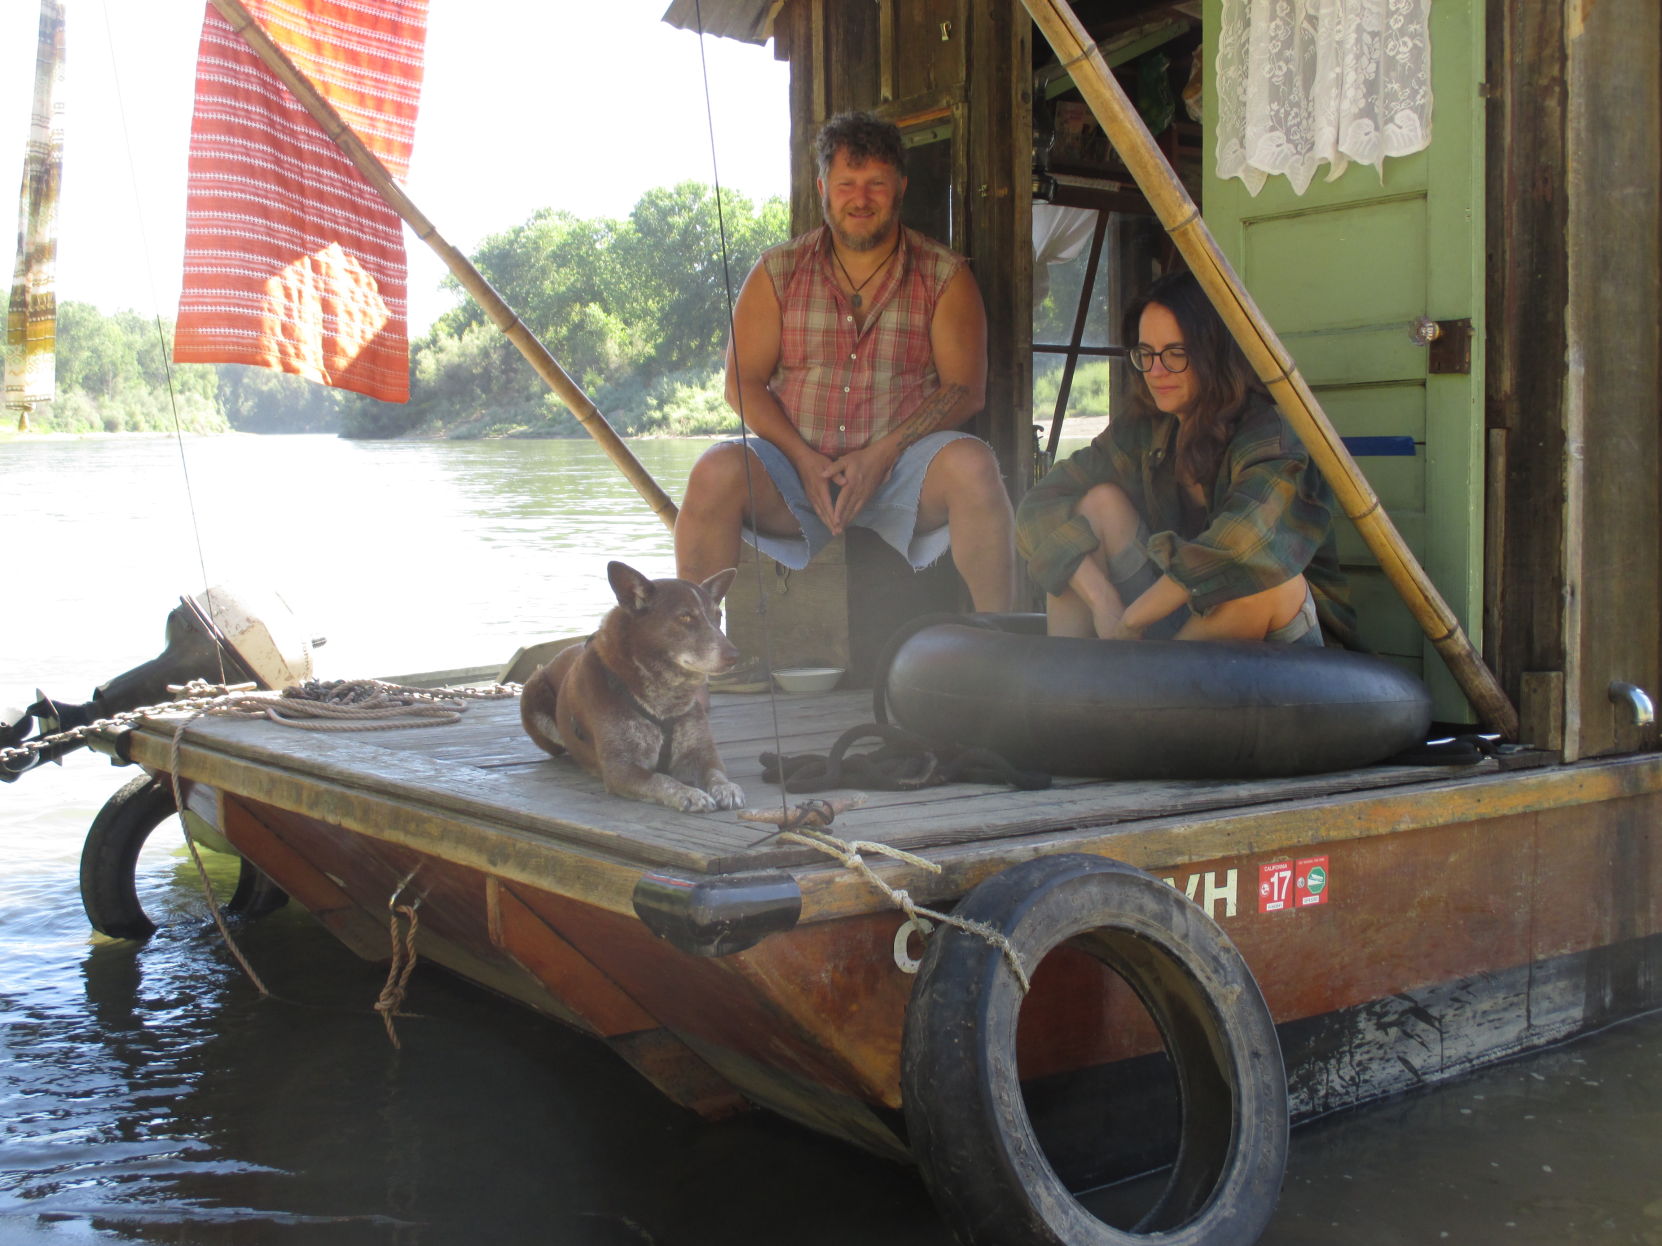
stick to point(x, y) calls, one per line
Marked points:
point(403, 961)
point(849, 855)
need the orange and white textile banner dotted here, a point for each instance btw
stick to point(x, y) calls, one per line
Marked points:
point(292, 260)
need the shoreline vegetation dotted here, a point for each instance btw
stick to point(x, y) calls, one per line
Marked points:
point(635, 309)
point(1077, 428)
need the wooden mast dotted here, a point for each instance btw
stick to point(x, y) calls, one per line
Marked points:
point(1181, 217)
point(472, 280)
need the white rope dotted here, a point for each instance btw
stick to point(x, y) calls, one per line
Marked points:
point(850, 853)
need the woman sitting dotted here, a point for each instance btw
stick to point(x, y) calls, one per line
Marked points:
point(1242, 541)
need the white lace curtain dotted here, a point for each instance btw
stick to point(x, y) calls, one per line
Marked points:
point(1305, 81)
point(1059, 235)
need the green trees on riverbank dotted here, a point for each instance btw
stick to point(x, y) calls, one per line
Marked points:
point(112, 378)
point(634, 309)
point(114, 375)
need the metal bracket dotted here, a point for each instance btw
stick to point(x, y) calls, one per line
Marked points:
point(1451, 347)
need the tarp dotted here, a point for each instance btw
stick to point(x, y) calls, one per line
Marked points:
point(750, 21)
point(292, 261)
point(32, 312)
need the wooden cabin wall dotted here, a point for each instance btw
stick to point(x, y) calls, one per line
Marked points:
point(908, 58)
point(999, 140)
point(1614, 55)
point(1574, 587)
point(1524, 577)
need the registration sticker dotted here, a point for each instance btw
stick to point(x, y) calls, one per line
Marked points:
point(1310, 882)
point(1275, 886)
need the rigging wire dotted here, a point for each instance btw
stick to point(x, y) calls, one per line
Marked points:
point(162, 343)
point(744, 428)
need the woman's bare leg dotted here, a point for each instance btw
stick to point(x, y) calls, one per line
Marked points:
point(1090, 604)
point(1248, 618)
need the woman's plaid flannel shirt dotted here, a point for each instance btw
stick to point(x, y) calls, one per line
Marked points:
point(1269, 514)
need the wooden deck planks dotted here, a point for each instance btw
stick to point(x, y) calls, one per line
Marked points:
point(484, 771)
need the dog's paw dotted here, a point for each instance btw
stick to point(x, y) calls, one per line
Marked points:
point(691, 800)
point(726, 793)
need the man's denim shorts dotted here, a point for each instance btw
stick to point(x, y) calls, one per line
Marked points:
point(891, 512)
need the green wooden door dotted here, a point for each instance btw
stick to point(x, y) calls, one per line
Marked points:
point(1343, 273)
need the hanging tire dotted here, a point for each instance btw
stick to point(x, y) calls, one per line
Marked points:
point(109, 859)
point(967, 1124)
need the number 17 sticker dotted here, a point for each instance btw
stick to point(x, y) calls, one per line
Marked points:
point(1275, 886)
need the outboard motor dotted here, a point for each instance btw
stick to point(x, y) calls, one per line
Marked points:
point(224, 635)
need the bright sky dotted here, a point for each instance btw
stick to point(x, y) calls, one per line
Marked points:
point(552, 104)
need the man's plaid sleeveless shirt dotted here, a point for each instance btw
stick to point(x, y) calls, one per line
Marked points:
point(845, 387)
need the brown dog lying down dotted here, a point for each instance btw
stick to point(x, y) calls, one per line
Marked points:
point(628, 703)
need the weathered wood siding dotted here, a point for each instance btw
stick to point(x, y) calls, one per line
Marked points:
point(1527, 297)
point(1614, 545)
point(1575, 291)
point(948, 63)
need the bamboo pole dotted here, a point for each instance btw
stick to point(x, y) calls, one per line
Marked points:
point(472, 280)
point(1181, 217)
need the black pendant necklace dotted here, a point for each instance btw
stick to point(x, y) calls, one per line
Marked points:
point(855, 296)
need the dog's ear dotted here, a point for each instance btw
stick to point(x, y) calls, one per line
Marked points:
point(718, 584)
point(633, 589)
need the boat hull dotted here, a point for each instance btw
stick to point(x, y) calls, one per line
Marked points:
point(1425, 952)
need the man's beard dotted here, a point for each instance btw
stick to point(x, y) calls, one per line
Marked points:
point(863, 242)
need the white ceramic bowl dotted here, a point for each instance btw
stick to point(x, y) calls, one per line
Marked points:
point(808, 678)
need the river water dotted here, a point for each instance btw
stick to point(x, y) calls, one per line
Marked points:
point(149, 1094)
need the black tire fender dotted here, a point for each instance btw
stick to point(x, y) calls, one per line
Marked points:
point(110, 856)
point(968, 1127)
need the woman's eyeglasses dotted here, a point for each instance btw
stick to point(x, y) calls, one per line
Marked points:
point(1175, 358)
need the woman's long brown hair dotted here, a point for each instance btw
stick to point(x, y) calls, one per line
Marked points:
point(1224, 375)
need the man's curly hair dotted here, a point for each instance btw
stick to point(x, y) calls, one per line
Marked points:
point(860, 136)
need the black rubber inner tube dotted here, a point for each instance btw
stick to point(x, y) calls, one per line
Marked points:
point(1147, 709)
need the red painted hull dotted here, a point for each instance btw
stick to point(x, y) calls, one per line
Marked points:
point(1426, 952)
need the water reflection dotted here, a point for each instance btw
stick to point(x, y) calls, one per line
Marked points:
point(1560, 1147)
point(174, 1104)
point(178, 1105)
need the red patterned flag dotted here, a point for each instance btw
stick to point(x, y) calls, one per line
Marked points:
point(292, 261)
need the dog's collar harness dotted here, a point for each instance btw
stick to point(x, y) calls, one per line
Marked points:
point(665, 726)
